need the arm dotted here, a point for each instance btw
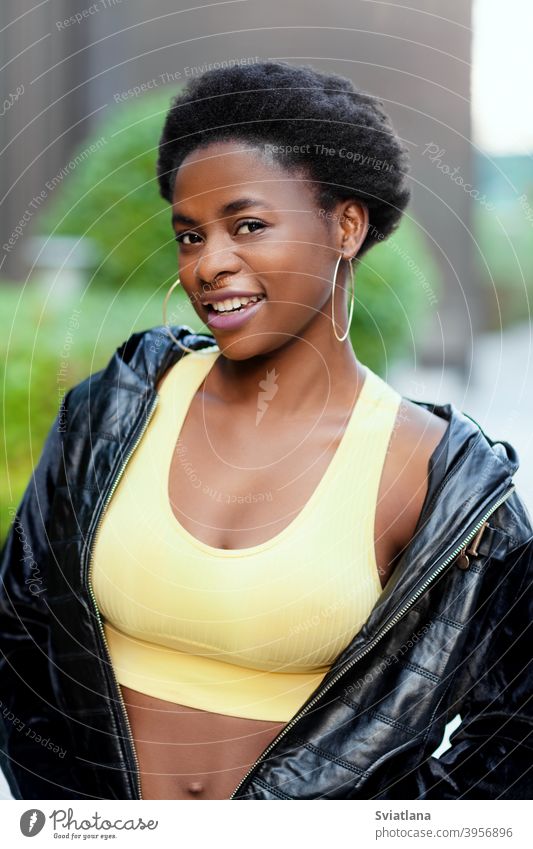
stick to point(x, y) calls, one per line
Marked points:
point(34, 737)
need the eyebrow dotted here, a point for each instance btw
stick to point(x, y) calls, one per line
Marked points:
point(228, 208)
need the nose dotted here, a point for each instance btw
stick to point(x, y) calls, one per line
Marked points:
point(216, 260)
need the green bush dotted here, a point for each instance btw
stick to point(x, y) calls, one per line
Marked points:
point(112, 196)
point(396, 287)
point(34, 335)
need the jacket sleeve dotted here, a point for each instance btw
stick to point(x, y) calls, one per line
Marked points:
point(491, 752)
point(35, 752)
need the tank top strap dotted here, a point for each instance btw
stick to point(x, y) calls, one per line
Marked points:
point(369, 435)
point(373, 422)
point(378, 394)
point(184, 378)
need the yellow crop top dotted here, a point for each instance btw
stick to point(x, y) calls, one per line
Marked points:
point(247, 632)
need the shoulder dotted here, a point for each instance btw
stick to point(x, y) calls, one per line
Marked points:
point(416, 434)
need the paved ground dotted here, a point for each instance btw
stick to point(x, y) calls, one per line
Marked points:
point(498, 395)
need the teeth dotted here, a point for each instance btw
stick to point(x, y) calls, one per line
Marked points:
point(234, 303)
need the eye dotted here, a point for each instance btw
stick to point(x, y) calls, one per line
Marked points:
point(181, 236)
point(251, 222)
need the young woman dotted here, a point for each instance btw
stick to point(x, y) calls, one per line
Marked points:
point(238, 525)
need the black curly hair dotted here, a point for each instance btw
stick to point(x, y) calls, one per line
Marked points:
point(287, 107)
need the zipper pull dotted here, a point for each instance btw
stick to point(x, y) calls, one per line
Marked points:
point(463, 560)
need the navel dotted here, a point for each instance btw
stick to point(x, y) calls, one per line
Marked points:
point(195, 788)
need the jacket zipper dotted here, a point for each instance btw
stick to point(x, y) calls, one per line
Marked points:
point(95, 605)
point(461, 549)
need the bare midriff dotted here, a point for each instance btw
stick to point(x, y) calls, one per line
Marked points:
point(185, 753)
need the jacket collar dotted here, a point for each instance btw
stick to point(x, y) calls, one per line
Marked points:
point(142, 360)
point(477, 471)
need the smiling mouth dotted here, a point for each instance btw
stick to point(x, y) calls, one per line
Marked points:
point(232, 310)
point(234, 316)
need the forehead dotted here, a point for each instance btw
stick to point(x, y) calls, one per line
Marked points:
point(216, 172)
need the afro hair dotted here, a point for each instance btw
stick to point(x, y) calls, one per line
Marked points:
point(317, 124)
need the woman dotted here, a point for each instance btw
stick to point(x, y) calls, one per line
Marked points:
point(236, 504)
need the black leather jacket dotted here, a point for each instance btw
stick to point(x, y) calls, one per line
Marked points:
point(448, 635)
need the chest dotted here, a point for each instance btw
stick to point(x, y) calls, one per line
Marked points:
point(232, 488)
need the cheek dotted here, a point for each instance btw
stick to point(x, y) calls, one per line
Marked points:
point(305, 286)
point(294, 271)
point(298, 300)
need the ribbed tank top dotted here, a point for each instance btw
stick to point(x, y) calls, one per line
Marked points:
point(246, 632)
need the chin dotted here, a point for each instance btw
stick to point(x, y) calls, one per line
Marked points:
point(239, 351)
point(246, 347)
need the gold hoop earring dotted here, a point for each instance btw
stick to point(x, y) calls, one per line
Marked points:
point(167, 296)
point(342, 338)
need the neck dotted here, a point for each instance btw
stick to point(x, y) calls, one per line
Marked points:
point(312, 372)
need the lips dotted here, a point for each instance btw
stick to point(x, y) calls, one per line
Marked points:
point(231, 319)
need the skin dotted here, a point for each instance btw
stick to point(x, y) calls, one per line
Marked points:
point(186, 753)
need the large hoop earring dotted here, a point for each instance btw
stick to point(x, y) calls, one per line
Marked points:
point(169, 331)
point(342, 338)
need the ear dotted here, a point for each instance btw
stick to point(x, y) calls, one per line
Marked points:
point(353, 223)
